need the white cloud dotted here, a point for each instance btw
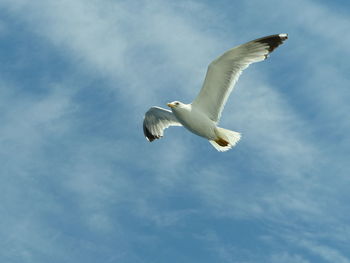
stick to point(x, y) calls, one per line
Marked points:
point(30, 123)
point(118, 41)
point(325, 252)
point(287, 258)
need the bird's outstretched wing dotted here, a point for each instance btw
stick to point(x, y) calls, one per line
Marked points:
point(156, 120)
point(224, 72)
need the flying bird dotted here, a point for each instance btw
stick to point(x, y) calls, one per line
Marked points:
point(202, 115)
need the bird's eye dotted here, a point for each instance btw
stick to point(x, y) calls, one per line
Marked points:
point(176, 103)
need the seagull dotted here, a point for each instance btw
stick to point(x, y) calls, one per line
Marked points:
point(202, 116)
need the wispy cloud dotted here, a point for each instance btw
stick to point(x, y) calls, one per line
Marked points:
point(285, 257)
point(325, 252)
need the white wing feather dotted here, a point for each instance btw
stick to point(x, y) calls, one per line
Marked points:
point(224, 72)
point(156, 120)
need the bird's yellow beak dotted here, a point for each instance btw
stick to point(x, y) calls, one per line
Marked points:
point(171, 105)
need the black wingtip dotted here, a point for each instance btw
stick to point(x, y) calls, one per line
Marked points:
point(149, 136)
point(273, 41)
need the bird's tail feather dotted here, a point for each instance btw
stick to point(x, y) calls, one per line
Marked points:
point(225, 140)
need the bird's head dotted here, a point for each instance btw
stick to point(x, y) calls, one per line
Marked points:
point(175, 105)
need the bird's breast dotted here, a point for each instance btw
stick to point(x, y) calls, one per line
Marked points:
point(197, 122)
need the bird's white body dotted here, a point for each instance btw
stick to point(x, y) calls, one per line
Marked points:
point(203, 114)
point(195, 121)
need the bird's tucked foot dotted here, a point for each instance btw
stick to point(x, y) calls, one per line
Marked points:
point(222, 142)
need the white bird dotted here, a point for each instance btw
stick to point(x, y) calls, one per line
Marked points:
point(202, 115)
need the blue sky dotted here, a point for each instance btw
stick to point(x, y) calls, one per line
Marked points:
point(81, 184)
